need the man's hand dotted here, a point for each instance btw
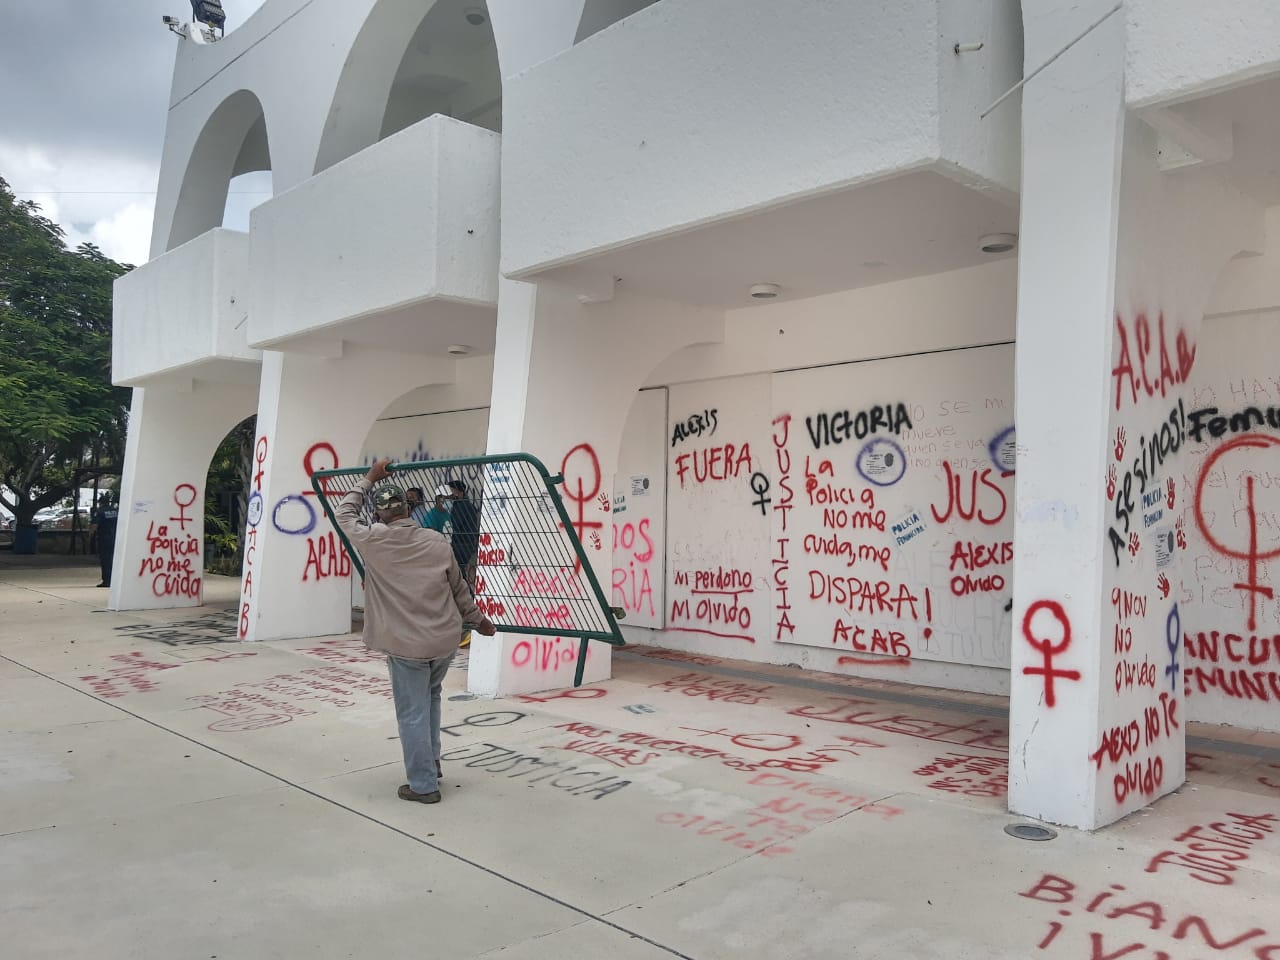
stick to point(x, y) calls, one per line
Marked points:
point(379, 470)
point(486, 628)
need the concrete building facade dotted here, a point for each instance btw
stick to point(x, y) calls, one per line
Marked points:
point(932, 343)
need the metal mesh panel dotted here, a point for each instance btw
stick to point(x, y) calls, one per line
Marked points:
point(530, 571)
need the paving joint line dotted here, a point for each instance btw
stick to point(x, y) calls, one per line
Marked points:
point(550, 898)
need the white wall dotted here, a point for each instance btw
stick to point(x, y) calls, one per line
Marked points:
point(733, 588)
point(1181, 48)
point(1229, 509)
point(628, 135)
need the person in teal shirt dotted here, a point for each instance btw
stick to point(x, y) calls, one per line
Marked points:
point(436, 518)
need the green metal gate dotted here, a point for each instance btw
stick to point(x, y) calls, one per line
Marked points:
point(531, 575)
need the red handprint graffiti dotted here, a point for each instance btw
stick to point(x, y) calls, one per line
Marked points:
point(1134, 544)
point(1181, 526)
point(1111, 482)
point(1120, 441)
point(1163, 583)
point(1171, 487)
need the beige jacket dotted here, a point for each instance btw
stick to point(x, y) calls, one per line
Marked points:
point(415, 600)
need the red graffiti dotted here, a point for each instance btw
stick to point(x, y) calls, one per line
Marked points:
point(1120, 442)
point(1133, 365)
point(955, 497)
point(1112, 477)
point(782, 504)
point(1238, 682)
point(1252, 555)
point(326, 557)
point(1047, 647)
point(544, 654)
point(311, 468)
point(169, 563)
point(852, 661)
point(260, 457)
point(588, 480)
point(1171, 493)
point(714, 463)
point(1213, 850)
point(135, 670)
point(184, 495)
point(887, 642)
point(1162, 584)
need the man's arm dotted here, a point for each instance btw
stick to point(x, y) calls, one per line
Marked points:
point(348, 511)
point(466, 603)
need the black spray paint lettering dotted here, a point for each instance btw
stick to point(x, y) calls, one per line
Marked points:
point(1153, 450)
point(695, 425)
point(829, 428)
point(577, 781)
point(1207, 418)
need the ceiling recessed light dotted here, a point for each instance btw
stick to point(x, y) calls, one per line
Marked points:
point(764, 291)
point(459, 350)
point(998, 242)
point(476, 16)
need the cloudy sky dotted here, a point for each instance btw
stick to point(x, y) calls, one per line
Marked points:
point(84, 88)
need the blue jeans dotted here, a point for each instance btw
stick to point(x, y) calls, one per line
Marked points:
point(416, 686)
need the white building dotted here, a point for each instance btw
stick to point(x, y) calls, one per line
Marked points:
point(736, 265)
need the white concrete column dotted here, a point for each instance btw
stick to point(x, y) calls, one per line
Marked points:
point(565, 375)
point(313, 414)
point(159, 558)
point(1072, 130)
point(1115, 265)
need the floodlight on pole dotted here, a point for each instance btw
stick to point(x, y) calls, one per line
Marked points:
point(210, 13)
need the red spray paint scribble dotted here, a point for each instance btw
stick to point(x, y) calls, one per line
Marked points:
point(1226, 838)
point(588, 479)
point(955, 497)
point(873, 661)
point(1136, 374)
point(310, 467)
point(1250, 441)
point(183, 500)
point(1048, 648)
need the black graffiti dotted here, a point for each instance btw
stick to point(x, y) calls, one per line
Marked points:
point(828, 428)
point(1153, 450)
point(1241, 422)
point(760, 486)
point(695, 425)
point(578, 781)
point(492, 718)
point(210, 628)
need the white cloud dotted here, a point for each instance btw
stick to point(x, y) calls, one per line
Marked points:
point(126, 235)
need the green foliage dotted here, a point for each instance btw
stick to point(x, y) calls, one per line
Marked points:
point(226, 494)
point(61, 420)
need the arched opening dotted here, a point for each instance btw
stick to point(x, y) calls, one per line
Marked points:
point(226, 494)
point(448, 66)
point(233, 146)
point(598, 14)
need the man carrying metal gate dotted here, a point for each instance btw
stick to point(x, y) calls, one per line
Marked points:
point(416, 603)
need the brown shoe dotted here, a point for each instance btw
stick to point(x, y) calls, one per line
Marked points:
point(407, 793)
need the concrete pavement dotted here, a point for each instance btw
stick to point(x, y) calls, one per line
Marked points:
point(166, 792)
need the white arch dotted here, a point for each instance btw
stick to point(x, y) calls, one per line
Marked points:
point(406, 64)
point(234, 140)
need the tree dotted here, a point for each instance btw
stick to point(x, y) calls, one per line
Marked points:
point(226, 497)
point(61, 420)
